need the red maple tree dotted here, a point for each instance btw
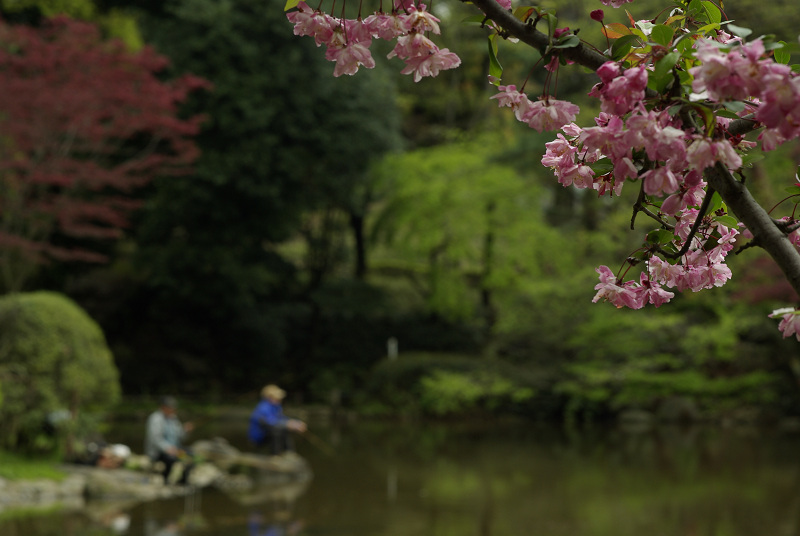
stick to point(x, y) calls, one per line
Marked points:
point(84, 123)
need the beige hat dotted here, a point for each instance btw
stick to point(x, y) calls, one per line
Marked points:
point(273, 391)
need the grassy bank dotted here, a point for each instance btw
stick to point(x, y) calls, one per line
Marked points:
point(18, 467)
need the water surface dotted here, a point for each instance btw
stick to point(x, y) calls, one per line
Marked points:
point(514, 479)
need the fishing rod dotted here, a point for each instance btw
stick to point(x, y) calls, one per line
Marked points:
point(319, 443)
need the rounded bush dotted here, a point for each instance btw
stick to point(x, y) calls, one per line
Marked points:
point(54, 361)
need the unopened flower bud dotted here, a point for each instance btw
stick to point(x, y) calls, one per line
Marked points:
point(597, 15)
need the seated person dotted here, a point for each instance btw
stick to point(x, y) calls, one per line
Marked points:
point(269, 427)
point(163, 438)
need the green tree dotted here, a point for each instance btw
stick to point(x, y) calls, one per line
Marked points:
point(216, 282)
point(53, 356)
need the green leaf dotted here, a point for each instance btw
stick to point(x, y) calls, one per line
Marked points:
point(568, 41)
point(615, 30)
point(552, 25)
point(641, 34)
point(793, 190)
point(727, 114)
point(695, 8)
point(708, 28)
point(712, 12)
point(522, 13)
point(662, 74)
point(734, 106)
point(715, 204)
point(602, 166)
point(623, 45)
point(727, 221)
point(752, 157)
point(290, 4)
point(738, 31)
point(781, 55)
point(684, 44)
point(645, 26)
point(708, 117)
point(495, 69)
point(662, 35)
point(660, 236)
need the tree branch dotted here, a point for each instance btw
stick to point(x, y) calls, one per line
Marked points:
point(766, 234)
point(581, 54)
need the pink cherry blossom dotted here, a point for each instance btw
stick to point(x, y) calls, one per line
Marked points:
point(411, 45)
point(663, 272)
point(620, 91)
point(349, 57)
point(431, 64)
point(690, 194)
point(651, 292)
point(660, 181)
point(517, 101)
point(313, 23)
point(421, 20)
point(389, 26)
point(549, 114)
point(609, 290)
point(790, 321)
point(704, 153)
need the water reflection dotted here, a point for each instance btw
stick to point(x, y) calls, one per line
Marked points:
point(491, 480)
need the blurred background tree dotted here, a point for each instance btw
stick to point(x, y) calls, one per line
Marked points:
point(78, 142)
point(328, 215)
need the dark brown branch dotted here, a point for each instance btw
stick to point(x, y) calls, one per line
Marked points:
point(765, 232)
point(581, 54)
point(639, 206)
point(701, 213)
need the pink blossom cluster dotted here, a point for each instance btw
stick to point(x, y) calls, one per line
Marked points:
point(698, 269)
point(348, 41)
point(651, 146)
point(676, 158)
point(790, 321)
point(629, 294)
point(620, 91)
point(746, 72)
point(545, 114)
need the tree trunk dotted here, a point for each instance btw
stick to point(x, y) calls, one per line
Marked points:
point(357, 226)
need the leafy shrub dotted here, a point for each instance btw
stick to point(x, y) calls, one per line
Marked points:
point(444, 392)
point(54, 361)
point(447, 384)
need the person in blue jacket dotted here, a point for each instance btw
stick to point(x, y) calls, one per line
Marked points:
point(269, 427)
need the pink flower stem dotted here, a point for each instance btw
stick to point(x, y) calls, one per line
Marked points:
point(522, 88)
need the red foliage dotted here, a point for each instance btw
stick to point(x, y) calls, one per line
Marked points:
point(83, 124)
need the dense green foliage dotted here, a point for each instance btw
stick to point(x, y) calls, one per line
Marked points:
point(321, 222)
point(449, 384)
point(53, 357)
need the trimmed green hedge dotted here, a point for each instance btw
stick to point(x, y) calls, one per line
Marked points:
point(54, 360)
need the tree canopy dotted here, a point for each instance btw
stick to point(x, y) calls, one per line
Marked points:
point(86, 123)
point(677, 95)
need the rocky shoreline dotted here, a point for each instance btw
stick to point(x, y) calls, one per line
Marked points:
point(223, 467)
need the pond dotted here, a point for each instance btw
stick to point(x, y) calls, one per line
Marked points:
point(512, 479)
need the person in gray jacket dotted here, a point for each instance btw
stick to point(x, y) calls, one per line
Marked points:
point(164, 436)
